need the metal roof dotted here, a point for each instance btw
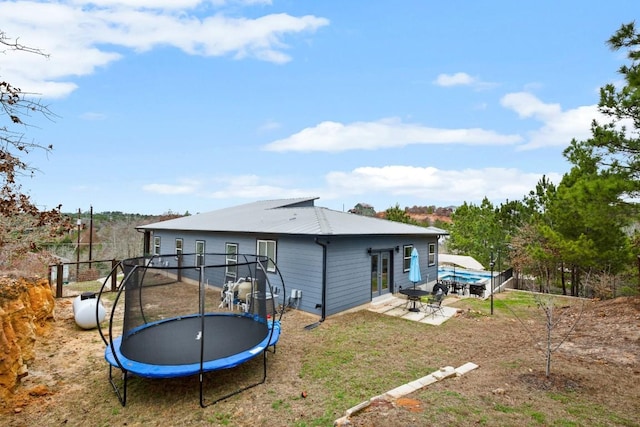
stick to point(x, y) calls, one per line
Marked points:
point(290, 216)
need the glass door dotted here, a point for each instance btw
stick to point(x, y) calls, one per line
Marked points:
point(380, 273)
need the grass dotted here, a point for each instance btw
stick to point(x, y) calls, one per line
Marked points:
point(79, 287)
point(345, 348)
point(349, 359)
point(573, 408)
point(76, 288)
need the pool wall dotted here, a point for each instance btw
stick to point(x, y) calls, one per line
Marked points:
point(469, 276)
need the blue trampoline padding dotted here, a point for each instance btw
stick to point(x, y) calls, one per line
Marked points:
point(148, 370)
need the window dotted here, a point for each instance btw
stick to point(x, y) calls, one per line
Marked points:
point(179, 247)
point(231, 249)
point(156, 245)
point(432, 253)
point(406, 260)
point(199, 253)
point(268, 248)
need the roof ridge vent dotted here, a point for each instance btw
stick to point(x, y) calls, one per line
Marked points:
point(325, 226)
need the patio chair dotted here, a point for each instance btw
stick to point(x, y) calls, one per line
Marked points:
point(477, 289)
point(434, 304)
point(441, 287)
point(414, 303)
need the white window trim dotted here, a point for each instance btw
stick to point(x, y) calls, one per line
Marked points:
point(200, 254)
point(271, 268)
point(432, 254)
point(156, 245)
point(406, 260)
point(231, 258)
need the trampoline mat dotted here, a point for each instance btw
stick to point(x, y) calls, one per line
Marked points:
point(178, 341)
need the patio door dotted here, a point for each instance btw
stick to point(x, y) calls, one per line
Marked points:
point(380, 273)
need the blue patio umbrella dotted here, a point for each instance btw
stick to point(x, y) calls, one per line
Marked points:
point(414, 268)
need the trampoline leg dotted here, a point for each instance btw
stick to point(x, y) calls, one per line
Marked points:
point(122, 397)
point(264, 377)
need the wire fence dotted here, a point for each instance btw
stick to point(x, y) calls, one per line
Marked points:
point(70, 279)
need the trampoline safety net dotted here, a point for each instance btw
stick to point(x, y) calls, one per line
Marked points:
point(186, 314)
point(170, 301)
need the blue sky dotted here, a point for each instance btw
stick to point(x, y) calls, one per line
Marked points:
point(188, 105)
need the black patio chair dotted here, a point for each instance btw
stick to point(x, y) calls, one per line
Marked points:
point(477, 289)
point(434, 304)
point(443, 286)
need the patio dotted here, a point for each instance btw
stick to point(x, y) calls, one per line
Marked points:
point(396, 306)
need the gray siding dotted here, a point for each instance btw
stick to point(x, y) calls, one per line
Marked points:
point(348, 275)
point(299, 260)
point(349, 269)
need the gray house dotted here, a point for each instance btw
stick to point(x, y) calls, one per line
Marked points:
point(330, 261)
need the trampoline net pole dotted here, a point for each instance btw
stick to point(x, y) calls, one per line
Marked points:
point(201, 297)
point(233, 393)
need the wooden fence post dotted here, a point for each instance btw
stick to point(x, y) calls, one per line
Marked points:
point(59, 271)
point(114, 275)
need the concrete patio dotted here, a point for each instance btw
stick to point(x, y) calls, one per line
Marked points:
point(392, 305)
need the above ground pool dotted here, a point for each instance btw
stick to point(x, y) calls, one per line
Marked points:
point(463, 276)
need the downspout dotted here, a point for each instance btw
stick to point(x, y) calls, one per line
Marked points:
point(323, 311)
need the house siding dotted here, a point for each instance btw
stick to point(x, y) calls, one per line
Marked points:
point(349, 269)
point(299, 260)
point(300, 263)
point(348, 275)
point(213, 244)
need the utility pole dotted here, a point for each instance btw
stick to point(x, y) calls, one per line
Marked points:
point(90, 235)
point(79, 223)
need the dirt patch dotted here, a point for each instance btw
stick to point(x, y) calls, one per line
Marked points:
point(554, 382)
point(598, 367)
point(608, 333)
point(599, 359)
point(411, 405)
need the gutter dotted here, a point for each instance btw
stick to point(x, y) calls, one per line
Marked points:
point(323, 305)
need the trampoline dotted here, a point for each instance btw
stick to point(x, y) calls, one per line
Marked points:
point(175, 326)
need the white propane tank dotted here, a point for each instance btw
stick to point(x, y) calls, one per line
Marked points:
point(244, 288)
point(84, 310)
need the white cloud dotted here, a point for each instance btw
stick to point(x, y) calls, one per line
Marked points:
point(457, 79)
point(528, 105)
point(166, 4)
point(462, 79)
point(387, 133)
point(80, 36)
point(558, 127)
point(429, 183)
point(419, 184)
point(139, 4)
point(246, 186)
point(253, 187)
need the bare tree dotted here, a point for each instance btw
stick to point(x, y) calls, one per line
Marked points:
point(558, 321)
point(22, 223)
